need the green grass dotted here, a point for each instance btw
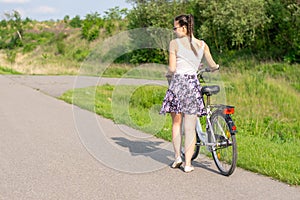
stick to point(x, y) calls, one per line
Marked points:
point(146, 71)
point(266, 106)
point(5, 70)
point(280, 160)
point(135, 106)
point(267, 116)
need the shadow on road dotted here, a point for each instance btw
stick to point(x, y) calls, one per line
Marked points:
point(146, 148)
point(205, 164)
point(153, 150)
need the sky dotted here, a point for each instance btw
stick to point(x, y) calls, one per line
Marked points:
point(57, 9)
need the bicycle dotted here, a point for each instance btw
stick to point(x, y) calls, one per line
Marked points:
point(219, 137)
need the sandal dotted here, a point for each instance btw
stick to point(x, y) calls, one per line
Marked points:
point(188, 169)
point(177, 162)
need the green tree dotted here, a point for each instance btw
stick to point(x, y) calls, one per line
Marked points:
point(283, 34)
point(15, 24)
point(66, 19)
point(115, 13)
point(114, 20)
point(157, 14)
point(75, 22)
point(268, 29)
point(91, 26)
point(232, 24)
point(153, 13)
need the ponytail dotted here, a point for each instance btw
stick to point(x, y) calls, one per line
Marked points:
point(188, 21)
point(190, 32)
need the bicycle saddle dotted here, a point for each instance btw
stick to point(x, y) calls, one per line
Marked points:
point(210, 90)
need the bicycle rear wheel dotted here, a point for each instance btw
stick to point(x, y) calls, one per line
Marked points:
point(225, 152)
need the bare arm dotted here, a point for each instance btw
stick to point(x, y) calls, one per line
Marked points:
point(172, 62)
point(211, 63)
point(172, 58)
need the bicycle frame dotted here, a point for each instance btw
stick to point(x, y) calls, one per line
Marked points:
point(204, 135)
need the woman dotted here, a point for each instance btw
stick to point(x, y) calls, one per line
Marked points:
point(183, 97)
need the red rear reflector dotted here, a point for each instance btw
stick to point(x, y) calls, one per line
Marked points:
point(228, 111)
point(233, 128)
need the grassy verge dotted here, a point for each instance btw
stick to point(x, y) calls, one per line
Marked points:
point(135, 106)
point(280, 160)
point(4, 70)
point(267, 117)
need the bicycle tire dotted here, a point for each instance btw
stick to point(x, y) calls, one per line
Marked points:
point(224, 155)
point(196, 149)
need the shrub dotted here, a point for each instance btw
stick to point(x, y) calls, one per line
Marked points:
point(80, 55)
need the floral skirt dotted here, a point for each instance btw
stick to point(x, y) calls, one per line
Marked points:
point(184, 96)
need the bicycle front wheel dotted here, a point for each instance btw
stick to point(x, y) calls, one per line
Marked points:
point(196, 148)
point(225, 151)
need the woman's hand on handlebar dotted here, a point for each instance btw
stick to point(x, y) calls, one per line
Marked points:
point(215, 69)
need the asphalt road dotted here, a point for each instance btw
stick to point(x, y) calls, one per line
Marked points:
point(52, 150)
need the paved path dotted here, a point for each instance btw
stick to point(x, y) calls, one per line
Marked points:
point(51, 150)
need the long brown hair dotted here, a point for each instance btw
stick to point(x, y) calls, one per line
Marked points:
point(188, 21)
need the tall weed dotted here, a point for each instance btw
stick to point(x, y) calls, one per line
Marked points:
point(265, 106)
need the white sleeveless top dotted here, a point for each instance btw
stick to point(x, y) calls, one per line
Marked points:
point(186, 61)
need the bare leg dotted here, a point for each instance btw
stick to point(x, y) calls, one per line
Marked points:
point(190, 139)
point(176, 133)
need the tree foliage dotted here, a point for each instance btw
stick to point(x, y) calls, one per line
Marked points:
point(91, 26)
point(12, 30)
point(232, 24)
point(268, 29)
point(114, 20)
point(152, 13)
point(75, 22)
point(282, 36)
point(111, 22)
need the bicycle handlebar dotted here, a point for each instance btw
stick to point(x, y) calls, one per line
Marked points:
point(203, 70)
point(199, 73)
point(206, 69)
